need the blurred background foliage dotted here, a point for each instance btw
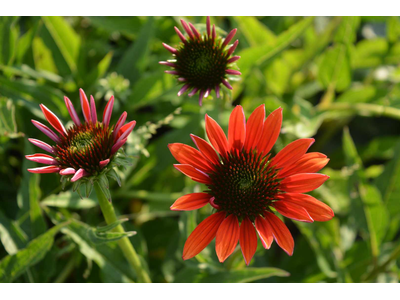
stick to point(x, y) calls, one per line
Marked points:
point(337, 79)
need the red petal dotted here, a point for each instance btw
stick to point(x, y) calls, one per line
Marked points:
point(281, 233)
point(309, 163)
point(303, 183)
point(206, 149)
point(216, 136)
point(248, 240)
point(194, 173)
point(202, 235)
point(53, 120)
point(227, 237)
point(191, 201)
point(108, 111)
point(237, 129)
point(291, 153)
point(271, 130)
point(190, 156)
point(44, 170)
point(293, 211)
point(318, 210)
point(254, 128)
point(264, 232)
point(85, 106)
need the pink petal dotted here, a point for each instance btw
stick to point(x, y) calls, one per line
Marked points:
point(194, 91)
point(85, 106)
point(187, 29)
point(181, 36)
point(233, 59)
point(72, 112)
point(183, 89)
point(171, 72)
point(232, 72)
point(213, 33)
point(79, 174)
point(108, 111)
point(67, 171)
point(42, 159)
point(217, 91)
point(45, 170)
point(194, 30)
point(126, 130)
point(53, 120)
point(212, 203)
point(208, 26)
point(181, 79)
point(42, 145)
point(226, 83)
point(170, 49)
point(93, 109)
point(229, 37)
point(233, 47)
point(118, 145)
point(104, 163)
point(47, 131)
point(201, 95)
point(120, 123)
point(167, 63)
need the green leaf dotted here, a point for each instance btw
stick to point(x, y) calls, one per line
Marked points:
point(114, 175)
point(100, 69)
point(38, 225)
point(256, 33)
point(347, 31)
point(12, 266)
point(8, 124)
point(11, 235)
point(69, 200)
point(8, 39)
point(393, 29)
point(369, 53)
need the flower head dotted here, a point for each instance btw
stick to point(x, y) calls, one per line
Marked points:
point(202, 62)
point(86, 149)
point(247, 186)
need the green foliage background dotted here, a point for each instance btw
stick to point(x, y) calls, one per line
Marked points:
point(337, 79)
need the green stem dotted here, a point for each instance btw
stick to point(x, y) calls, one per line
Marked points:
point(124, 243)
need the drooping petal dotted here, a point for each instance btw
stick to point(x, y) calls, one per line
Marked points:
point(291, 153)
point(194, 173)
point(217, 91)
point(271, 130)
point(213, 204)
point(264, 232)
point(318, 210)
point(118, 145)
point(281, 233)
point(42, 145)
point(93, 112)
point(206, 149)
point(309, 163)
point(45, 170)
point(108, 111)
point(237, 129)
point(67, 171)
point(72, 112)
point(125, 131)
point(247, 240)
point(201, 96)
point(104, 163)
point(85, 106)
point(216, 136)
point(46, 130)
point(53, 120)
point(79, 174)
point(194, 91)
point(202, 235)
point(229, 37)
point(171, 72)
point(303, 183)
point(226, 83)
point(185, 154)
point(293, 211)
point(254, 127)
point(191, 201)
point(167, 63)
point(227, 237)
point(42, 159)
point(120, 123)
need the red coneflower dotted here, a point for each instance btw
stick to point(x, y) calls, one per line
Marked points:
point(87, 148)
point(246, 186)
point(202, 63)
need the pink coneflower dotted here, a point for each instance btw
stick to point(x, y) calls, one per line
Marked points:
point(85, 149)
point(247, 187)
point(202, 62)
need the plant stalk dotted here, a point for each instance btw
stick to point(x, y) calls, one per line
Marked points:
point(124, 243)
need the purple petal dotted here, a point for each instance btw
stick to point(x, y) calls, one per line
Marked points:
point(233, 59)
point(226, 83)
point(181, 36)
point(170, 49)
point(167, 63)
point(93, 109)
point(42, 145)
point(183, 89)
point(232, 72)
point(187, 29)
point(72, 112)
point(233, 47)
point(229, 37)
point(46, 130)
point(194, 91)
point(217, 91)
point(67, 171)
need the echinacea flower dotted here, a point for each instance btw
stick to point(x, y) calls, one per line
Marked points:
point(85, 150)
point(202, 62)
point(247, 187)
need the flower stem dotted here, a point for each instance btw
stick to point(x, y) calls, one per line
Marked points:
point(124, 243)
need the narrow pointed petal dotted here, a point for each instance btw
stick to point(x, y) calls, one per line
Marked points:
point(183, 89)
point(233, 59)
point(318, 210)
point(226, 83)
point(229, 37)
point(187, 29)
point(213, 35)
point(169, 48)
point(281, 233)
point(303, 183)
point(45, 170)
point(167, 63)
point(291, 153)
point(232, 72)
point(208, 25)
point(46, 130)
point(271, 130)
point(194, 30)
point(42, 145)
point(293, 211)
point(237, 129)
point(194, 91)
point(181, 79)
point(108, 111)
point(203, 234)
point(125, 131)
point(171, 72)
point(120, 123)
point(247, 240)
point(53, 120)
point(206, 149)
point(254, 128)
point(309, 163)
point(201, 95)
point(85, 106)
point(187, 155)
point(72, 112)
point(42, 159)
point(233, 47)
point(227, 237)
point(118, 145)
point(206, 93)
point(217, 91)
point(67, 171)
point(264, 231)
point(181, 36)
point(191, 201)
point(216, 136)
point(93, 112)
point(79, 174)
point(104, 163)
point(193, 173)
